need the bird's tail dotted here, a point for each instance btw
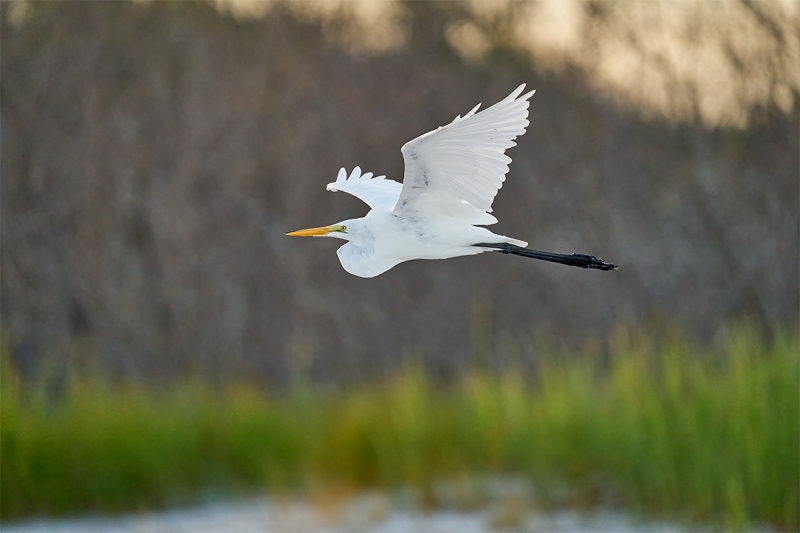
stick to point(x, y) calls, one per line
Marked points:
point(578, 260)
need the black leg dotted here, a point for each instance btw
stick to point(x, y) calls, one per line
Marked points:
point(578, 260)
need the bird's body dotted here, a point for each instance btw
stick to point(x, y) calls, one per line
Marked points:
point(403, 239)
point(451, 178)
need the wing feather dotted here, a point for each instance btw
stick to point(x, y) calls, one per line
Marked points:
point(374, 191)
point(458, 168)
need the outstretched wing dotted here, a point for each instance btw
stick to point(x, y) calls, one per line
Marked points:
point(459, 168)
point(375, 191)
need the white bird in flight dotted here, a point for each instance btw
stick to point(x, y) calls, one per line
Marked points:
point(452, 175)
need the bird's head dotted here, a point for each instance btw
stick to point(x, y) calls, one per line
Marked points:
point(342, 230)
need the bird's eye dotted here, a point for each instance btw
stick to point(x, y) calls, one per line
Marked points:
point(342, 228)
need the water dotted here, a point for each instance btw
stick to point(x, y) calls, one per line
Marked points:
point(461, 507)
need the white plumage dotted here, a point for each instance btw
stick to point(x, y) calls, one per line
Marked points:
point(452, 175)
point(376, 192)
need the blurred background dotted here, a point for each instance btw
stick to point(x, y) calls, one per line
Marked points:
point(154, 154)
point(163, 343)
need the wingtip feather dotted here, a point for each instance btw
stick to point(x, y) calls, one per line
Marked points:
point(473, 110)
point(355, 175)
point(517, 92)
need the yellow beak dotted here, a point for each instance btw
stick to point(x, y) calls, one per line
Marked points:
point(312, 232)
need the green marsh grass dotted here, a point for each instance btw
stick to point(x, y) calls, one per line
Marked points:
point(659, 427)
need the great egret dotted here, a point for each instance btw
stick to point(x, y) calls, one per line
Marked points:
point(452, 175)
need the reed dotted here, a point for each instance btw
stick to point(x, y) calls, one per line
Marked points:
point(660, 427)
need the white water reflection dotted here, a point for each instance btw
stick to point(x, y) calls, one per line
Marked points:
point(507, 505)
